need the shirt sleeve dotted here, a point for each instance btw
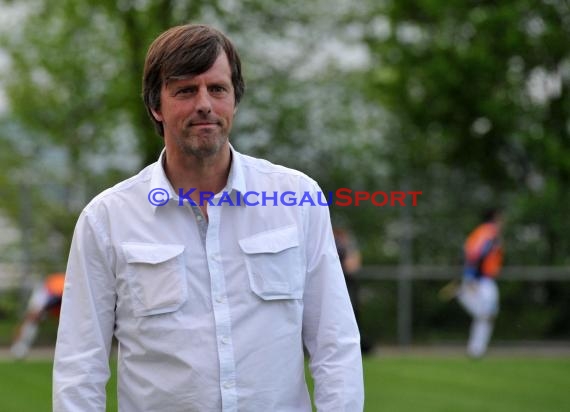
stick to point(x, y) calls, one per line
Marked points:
point(330, 332)
point(81, 363)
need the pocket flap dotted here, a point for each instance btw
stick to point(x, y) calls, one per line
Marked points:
point(151, 253)
point(272, 241)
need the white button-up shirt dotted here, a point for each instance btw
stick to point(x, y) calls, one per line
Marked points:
point(209, 316)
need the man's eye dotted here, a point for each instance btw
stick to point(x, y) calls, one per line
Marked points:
point(185, 90)
point(217, 89)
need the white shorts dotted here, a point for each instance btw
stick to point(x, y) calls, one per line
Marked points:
point(39, 299)
point(480, 298)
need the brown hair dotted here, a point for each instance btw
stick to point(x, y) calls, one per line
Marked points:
point(186, 50)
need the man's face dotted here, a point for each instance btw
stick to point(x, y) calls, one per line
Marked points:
point(197, 112)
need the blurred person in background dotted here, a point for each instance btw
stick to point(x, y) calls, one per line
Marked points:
point(478, 292)
point(351, 262)
point(44, 301)
point(211, 305)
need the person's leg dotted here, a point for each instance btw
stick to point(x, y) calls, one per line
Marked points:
point(27, 331)
point(479, 336)
point(483, 318)
point(25, 338)
point(469, 299)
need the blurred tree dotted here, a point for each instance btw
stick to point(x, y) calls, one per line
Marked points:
point(479, 93)
point(463, 101)
point(76, 123)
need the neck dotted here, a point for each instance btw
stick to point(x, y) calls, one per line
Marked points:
point(209, 174)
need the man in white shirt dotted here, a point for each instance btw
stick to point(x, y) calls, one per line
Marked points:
point(211, 295)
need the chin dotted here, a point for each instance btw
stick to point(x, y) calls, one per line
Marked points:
point(206, 149)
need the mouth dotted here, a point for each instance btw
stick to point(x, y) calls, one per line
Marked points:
point(202, 123)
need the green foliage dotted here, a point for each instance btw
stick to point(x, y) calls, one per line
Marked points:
point(464, 101)
point(479, 96)
point(76, 122)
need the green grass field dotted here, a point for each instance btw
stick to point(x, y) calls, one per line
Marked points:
point(394, 384)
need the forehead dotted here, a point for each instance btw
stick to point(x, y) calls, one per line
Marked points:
point(219, 71)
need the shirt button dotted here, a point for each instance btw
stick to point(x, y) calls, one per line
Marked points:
point(220, 299)
point(225, 340)
point(228, 385)
point(199, 218)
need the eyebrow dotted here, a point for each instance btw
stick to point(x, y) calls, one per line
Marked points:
point(187, 77)
point(181, 77)
point(169, 80)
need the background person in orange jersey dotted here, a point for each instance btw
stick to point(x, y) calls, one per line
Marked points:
point(45, 300)
point(478, 293)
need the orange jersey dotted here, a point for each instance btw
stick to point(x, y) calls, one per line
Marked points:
point(54, 283)
point(483, 251)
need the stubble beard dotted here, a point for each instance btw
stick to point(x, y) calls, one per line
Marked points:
point(202, 146)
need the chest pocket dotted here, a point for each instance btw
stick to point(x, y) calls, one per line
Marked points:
point(274, 264)
point(156, 277)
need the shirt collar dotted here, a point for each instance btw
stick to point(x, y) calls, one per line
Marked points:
point(236, 179)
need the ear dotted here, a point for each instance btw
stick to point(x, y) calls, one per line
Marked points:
point(157, 115)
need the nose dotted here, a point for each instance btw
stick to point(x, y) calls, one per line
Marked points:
point(203, 103)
